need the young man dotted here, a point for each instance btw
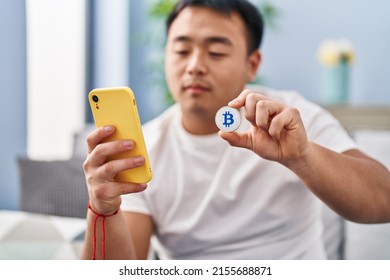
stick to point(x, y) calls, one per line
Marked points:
point(214, 199)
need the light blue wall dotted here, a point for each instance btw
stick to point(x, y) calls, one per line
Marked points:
point(13, 98)
point(290, 51)
point(146, 50)
point(139, 81)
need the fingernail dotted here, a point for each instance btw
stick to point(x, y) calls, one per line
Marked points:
point(108, 128)
point(141, 187)
point(139, 160)
point(234, 101)
point(128, 144)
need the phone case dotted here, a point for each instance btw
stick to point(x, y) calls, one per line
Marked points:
point(117, 107)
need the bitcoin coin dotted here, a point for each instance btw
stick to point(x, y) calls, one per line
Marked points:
point(228, 119)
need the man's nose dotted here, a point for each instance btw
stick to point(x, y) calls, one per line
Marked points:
point(197, 64)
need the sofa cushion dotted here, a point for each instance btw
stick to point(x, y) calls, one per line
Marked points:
point(370, 241)
point(53, 187)
point(375, 143)
point(31, 236)
point(367, 241)
point(80, 147)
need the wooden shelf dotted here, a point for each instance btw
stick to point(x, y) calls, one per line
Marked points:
point(361, 116)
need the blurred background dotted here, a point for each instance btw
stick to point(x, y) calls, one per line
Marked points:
point(52, 53)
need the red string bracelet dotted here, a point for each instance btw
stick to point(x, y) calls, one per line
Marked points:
point(97, 216)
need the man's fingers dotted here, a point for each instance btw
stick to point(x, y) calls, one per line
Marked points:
point(245, 96)
point(239, 101)
point(99, 155)
point(235, 139)
point(259, 109)
point(103, 178)
point(126, 188)
point(287, 119)
point(97, 136)
point(112, 168)
point(251, 100)
point(265, 111)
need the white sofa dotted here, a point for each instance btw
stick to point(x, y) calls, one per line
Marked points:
point(370, 127)
point(32, 236)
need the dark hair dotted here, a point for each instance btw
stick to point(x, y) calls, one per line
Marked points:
point(248, 12)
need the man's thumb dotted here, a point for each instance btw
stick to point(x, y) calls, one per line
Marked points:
point(233, 138)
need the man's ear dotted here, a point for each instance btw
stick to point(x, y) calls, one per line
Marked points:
point(254, 60)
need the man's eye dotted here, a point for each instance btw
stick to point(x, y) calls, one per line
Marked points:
point(217, 54)
point(182, 52)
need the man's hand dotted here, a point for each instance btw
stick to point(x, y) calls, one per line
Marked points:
point(104, 192)
point(277, 132)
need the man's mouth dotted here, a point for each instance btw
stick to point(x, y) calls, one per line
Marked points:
point(196, 88)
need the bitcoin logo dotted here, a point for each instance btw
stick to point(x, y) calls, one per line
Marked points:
point(228, 119)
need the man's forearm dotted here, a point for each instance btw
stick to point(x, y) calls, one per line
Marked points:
point(354, 185)
point(118, 241)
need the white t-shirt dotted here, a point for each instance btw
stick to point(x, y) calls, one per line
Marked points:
point(209, 200)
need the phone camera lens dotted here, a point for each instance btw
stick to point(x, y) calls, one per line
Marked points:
point(95, 98)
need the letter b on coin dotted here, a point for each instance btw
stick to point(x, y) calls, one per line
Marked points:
point(228, 119)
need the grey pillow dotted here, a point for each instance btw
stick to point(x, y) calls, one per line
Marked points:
point(80, 147)
point(53, 187)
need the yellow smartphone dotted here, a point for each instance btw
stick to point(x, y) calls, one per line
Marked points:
point(117, 107)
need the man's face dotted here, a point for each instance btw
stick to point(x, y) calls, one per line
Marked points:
point(207, 62)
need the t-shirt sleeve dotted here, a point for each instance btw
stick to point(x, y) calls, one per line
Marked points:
point(324, 129)
point(135, 202)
